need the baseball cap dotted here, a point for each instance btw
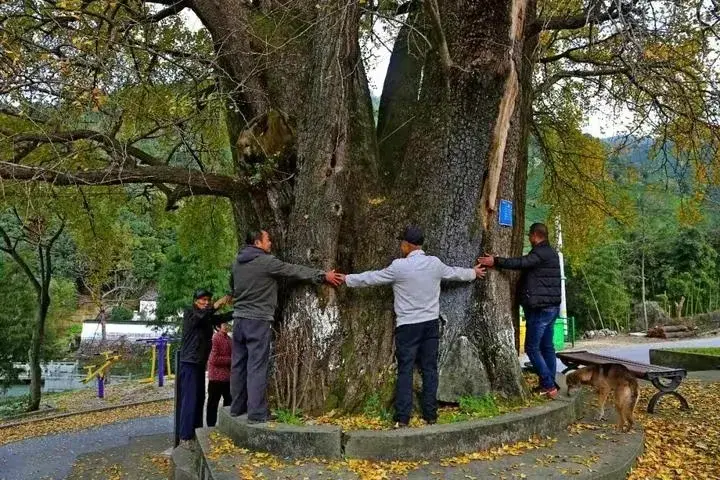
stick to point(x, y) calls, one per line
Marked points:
point(201, 292)
point(413, 235)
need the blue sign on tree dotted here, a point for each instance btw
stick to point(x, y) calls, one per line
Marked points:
point(505, 213)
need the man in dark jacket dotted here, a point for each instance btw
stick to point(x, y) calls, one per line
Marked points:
point(198, 325)
point(539, 295)
point(255, 275)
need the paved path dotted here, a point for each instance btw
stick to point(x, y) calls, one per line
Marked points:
point(52, 457)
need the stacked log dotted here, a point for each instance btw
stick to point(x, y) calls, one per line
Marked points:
point(671, 331)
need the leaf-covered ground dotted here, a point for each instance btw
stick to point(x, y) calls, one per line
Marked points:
point(119, 393)
point(82, 421)
point(681, 444)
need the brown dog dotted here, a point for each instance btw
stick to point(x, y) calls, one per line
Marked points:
point(604, 379)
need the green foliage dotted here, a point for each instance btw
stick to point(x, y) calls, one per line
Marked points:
point(714, 351)
point(600, 284)
point(17, 311)
point(374, 408)
point(201, 258)
point(289, 417)
point(13, 406)
point(121, 314)
point(471, 407)
point(484, 406)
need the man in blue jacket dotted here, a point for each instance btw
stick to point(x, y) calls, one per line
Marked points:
point(539, 295)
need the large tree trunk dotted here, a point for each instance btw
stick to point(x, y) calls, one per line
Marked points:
point(35, 354)
point(451, 145)
point(462, 158)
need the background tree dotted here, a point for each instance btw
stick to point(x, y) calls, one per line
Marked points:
point(37, 234)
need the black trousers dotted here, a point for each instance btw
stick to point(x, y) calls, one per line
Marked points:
point(216, 389)
point(192, 391)
point(417, 344)
point(249, 372)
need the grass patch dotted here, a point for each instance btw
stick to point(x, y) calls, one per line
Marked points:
point(13, 406)
point(285, 415)
point(374, 408)
point(714, 351)
point(375, 416)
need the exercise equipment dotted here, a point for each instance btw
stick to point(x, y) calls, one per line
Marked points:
point(161, 356)
point(101, 371)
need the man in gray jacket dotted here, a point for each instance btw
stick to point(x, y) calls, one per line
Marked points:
point(255, 275)
point(415, 280)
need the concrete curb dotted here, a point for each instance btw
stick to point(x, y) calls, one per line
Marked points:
point(280, 439)
point(83, 412)
point(441, 441)
point(623, 465)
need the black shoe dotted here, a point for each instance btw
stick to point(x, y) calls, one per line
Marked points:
point(270, 418)
point(399, 425)
point(430, 422)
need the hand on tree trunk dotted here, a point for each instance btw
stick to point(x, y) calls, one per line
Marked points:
point(486, 261)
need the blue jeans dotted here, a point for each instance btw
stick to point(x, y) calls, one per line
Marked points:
point(539, 343)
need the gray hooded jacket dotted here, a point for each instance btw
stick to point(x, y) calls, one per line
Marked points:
point(255, 274)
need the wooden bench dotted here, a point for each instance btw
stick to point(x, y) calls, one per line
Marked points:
point(665, 379)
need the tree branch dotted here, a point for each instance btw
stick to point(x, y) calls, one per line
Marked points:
point(11, 250)
point(572, 22)
point(442, 46)
point(553, 79)
point(111, 145)
point(196, 182)
point(173, 9)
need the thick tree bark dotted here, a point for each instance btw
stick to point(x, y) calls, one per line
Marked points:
point(461, 159)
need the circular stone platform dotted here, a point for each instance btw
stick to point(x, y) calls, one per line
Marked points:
point(423, 443)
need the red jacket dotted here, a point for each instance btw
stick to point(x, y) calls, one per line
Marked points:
point(220, 356)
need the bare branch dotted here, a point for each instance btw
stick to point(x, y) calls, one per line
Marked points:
point(173, 9)
point(572, 22)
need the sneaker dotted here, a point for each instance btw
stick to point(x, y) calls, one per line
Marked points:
point(549, 392)
point(430, 422)
point(399, 425)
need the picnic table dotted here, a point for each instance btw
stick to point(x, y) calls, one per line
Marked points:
point(665, 379)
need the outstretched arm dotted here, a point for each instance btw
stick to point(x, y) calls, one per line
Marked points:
point(281, 269)
point(530, 260)
point(460, 274)
point(373, 277)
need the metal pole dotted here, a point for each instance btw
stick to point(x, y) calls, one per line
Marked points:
point(161, 361)
point(101, 386)
point(178, 393)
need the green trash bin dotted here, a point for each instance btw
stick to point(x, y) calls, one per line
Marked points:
point(559, 334)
